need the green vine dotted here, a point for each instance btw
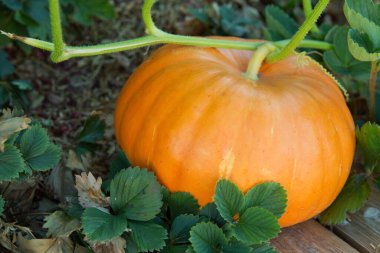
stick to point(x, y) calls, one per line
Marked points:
point(302, 32)
point(61, 52)
point(56, 28)
point(308, 9)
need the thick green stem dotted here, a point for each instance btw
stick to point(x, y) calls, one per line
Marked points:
point(308, 9)
point(149, 40)
point(155, 36)
point(150, 27)
point(257, 60)
point(372, 91)
point(56, 28)
point(302, 32)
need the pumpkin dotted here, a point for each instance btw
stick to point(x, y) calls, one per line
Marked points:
point(191, 115)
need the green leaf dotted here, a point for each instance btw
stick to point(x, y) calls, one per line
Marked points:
point(361, 46)
point(182, 203)
point(37, 11)
point(236, 247)
point(369, 142)
point(2, 204)
point(6, 68)
point(175, 249)
point(22, 84)
point(353, 196)
point(148, 236)
point(211, 212)
point(339, 59)
point(270, 196)
point(228, 199)
point(59, 224)
point(9, 126)
point(34, 142)
point(280, 25)
point(363, 16)
point(74, 209)
point(263, 248)
point(85, 10)
point(136, 193)
point(120, 162)
point(256, 225)
point(11, 163)
point(100, 226)
point(47, 160)
point(14, 5)
point(180, 228)
point(207, 237)
point(93, 131)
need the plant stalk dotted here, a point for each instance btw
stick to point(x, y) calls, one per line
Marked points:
point(56, 28)
point(372, 91)
point(308, 9)
point(61, 52)
point(301, 33)
point(257, 60)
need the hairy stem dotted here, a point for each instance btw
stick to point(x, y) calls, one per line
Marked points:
point(56, 28)
point(301, 33)
point(308, 9)
point(61, 52)
point(257, 60)
point(372, 91)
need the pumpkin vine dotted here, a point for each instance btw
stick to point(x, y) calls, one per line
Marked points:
point(62, 52)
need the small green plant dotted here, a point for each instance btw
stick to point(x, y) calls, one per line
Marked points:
point(25, 148)
point(142, 216)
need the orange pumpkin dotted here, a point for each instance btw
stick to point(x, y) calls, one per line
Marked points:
point(190, 115)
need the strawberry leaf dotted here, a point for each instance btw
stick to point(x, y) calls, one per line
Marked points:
point(59, 224)
point(11, 163)
point(136, 193)
point(148, 236)
point(228, 199)
point(368, 137)
point(353, 196)
point(211, 213)
point(270, 196)
point(101, 226)
point(207, 237)
point(256, 225)
point(180, 228)
point(182, 203)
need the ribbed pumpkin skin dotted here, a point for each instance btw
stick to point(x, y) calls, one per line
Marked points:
point(190, 115)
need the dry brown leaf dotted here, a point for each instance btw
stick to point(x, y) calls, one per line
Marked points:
point(115, 245)
point(73, 161)
point(89, 191)
point(80, 249)
point(54, 245)
point(9, 233)
point(9, 126)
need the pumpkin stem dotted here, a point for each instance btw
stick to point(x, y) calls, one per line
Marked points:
point(257, 60)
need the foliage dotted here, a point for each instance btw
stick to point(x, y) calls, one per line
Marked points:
point(25, 148)
point(358, 186)
point(31, 18)
point(144, 217)
point(227, 20)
